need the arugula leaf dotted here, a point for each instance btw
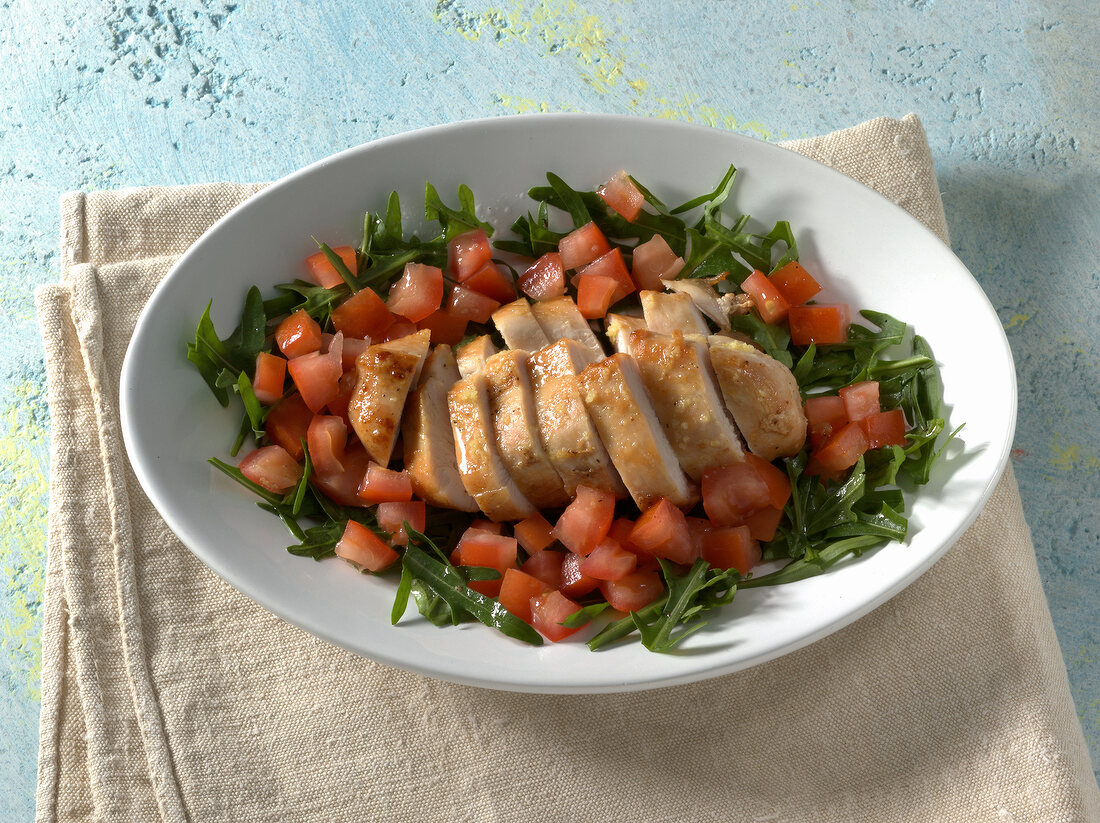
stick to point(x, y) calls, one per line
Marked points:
point(815, 563)
point(210, 355)
point(454, 221)
point(236, 474)
point(338, 263)
point(585, 615)
point(254, 411)
point(714, 199)
point(570, 199)
point(773, 339)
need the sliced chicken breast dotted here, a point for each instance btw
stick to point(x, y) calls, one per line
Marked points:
point(472, 356)
point(560, 319)
point(677, 377)
point(517, 325)
point(618, 328)
point(385, 373)
point(616, 399)
point(666, 312)
point(568, 434)
point(763, 397)
point(428, 439)
point(516, 427)
point(479, 464)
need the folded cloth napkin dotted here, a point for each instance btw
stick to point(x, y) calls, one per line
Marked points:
point(169, 695)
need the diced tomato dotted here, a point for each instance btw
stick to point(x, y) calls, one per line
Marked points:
point(468, 304)
point(392, 518)
point(574, 583)
point(731, 493)
point(825, 415)
point(582, 246)
point(653, 262)
point(491, 281)
point(487, 526)
point(884, 428)
point(842, 450)
point(594, 295)
point(609, 561)
point(352, 348)
point(546, 566)
point(777, 480)
point(610, 265)
point(363, 315)
point(485, 549)
point(770, 303)
point(764, 523)
point(620, 530)
point(662, 531)
point(272, 467)
point(622, 195)
point(418, 293)
point(698, 527)
point(288, 423)
point(317, 375)
point(267, 382)
point(382, 485)
point(400, 328)
point(860, 399)
point(822, 324)
point(323, 273)
point(731, 548)
point(364, 548)
point(342, 487)
point(547, 613)
point(534, 533)
point(517, 590)
point(466, 253)
point(298, 334)
point(339, 404)
point(633, 592)
point(794, 283)
point(586, 521)
point(327, 438)
point(545, 278)
point(445, 327)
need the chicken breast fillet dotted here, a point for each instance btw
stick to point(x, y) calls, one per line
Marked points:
point(568, 434)
point(666, 312)
point(560, 319)
point(472, 356)
point(517, 325)
point(516, 427)
point(618, 328)
point(385, 374)
point(616, 399)
point(428, 438)
point(763, 397)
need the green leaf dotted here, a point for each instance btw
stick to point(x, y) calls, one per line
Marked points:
point(454, 221)
point(570, 199)
point(256, 413)
point(303, 484)
point(714, 199)
point(809, 566)
point(401, 596)
point(209, 355)
point(236, 474)
point(585, 615)
point(774, 340)
point(337, 263)
point(684, 604)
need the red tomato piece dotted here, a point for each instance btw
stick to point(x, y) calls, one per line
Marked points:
point(444, 327)
point(487, 526)
point(517, 590)
point(468, 252)
point(481, 548)
point(272, 467)
point(468, 304)
point(586, 521)
point(860, 399)
point(382, 485)
point(342, 487)
point(546, 566)
point(298, 334)
point(267, 382)
point(574, 583)
point(699, 527)
point(633, 592)
point(794, 283)
point(609, 561)
point(288, 423)
point(764, 523)
point(491, 281)
point(821, 324)
point(653, 262)
point(582, 246)
point(825, 416)
point(884, 428)
point(364, 548)
point(534, 533)
point(610, 265)
point(400, 328)
point(545, 278)
point(662, 531)
point(418, 293)
point(548, 611)
point(339, 404)
point(770, 303)
point(594, 295)
point(363, 315)
point(392, 517)
point(352, 347)
point(732, 548)
point(622, 195)
point(779, 484)
point(731, 493)
point(842, 450)
point(323, 273)
point(327, 437)
point(317, 375)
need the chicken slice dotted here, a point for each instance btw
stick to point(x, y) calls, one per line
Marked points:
point(472, 356)
point(616, 398)
point(567, 432)
point(763, 397)
point(517, 325)
point(515, 425)
point(618, 328)
point(677, 377)
point(479, 464)
point(385, 373)
point(666, 313)
point(560, 319)
point(428, 439)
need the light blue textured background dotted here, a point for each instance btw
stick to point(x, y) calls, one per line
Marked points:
point(100, 95)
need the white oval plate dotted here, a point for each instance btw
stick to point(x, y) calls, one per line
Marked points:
point(867, 250)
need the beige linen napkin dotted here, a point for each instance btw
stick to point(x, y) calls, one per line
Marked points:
point(169, 695)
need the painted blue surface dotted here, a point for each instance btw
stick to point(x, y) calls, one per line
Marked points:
point(100, 94)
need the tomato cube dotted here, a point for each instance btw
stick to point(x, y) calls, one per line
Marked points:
point(342, 486)
point(732, 548)
point(393, 516)
point(287, 423)
point(268, 379)
point(444, 327)
point(363, 315)
point(794, 283)
point(634, 591)
point(764, 524)
point(842, 450)
point(884, 428)
point(317, 377)
point(545, 278)
point(779, 484)
point(594, 294)
point(418, 293)
point(586, 521)
point(582, 246)
point(491, 281)
point(547, 613)
point(364, 548)
point(400, 328)
point(471, 305)
point(327, 437)
point(468, 252)
point(546, 566)
point(825, 416)
point(821, 324)
point(609, 561)
point(517, 590)
point(298, 334)
point(478, 547)
point(271, 467)
point(662, 531)
point(574, 582)
point(622, 195)
point(770, 303)
point(534, 533)
point(731, 493)
point(323, 273)
point(610, 265)
point(382, 485)
point(860, 399)
point(653, 262)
